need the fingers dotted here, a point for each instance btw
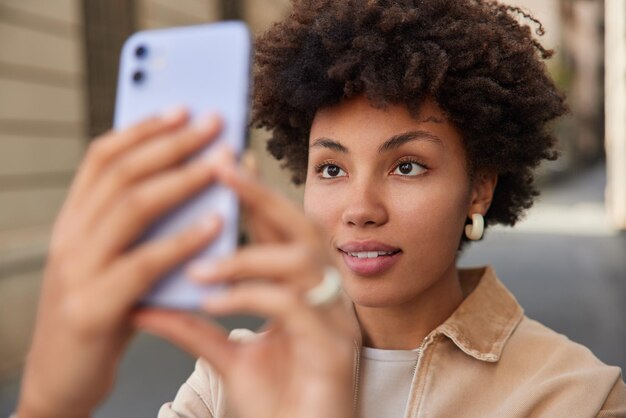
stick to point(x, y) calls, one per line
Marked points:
point(274, 301)
point(131, 276)
point(142, 205)
point(194, 335)
point(159, 154)
point(258, 230)
point(266, 206)
point(105, 302)
point(111, 145)
point(250, 164)
point(290, 263)
point(101, 153)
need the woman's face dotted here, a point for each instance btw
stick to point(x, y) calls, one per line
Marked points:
point(392, 192)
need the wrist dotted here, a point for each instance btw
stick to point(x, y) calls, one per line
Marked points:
point(38, 407)
point(28, 411)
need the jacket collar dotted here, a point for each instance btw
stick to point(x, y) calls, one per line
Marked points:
point(482, 324)
point(485, 320)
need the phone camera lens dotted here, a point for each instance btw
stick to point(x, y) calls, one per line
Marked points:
point(139, 76)
point(141, 51)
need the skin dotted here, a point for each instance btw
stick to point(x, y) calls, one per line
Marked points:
point(92, 282)
point(422, 213)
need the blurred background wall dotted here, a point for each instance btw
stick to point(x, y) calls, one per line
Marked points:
point(58, 69)
point(42, 137)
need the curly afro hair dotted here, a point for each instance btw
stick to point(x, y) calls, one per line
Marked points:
point(473, 57)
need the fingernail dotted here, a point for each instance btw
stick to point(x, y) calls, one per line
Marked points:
point(209, 223)
point(217, 156)
point(205, 123)
point(214, 155)
point(173, 114)
point(249, 164)
point(201, 270)
point(216, 299)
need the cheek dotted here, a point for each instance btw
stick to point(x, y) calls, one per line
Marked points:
point(432, 216)
point(321, 208)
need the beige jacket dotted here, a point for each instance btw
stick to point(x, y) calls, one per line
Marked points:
point(487, 360)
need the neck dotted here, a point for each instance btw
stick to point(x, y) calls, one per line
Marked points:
point(404, 326)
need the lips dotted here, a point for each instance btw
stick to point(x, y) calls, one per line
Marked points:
point(369, 258)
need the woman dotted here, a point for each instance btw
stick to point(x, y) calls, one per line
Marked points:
point(413, 125)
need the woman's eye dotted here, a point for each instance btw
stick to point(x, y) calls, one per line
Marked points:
point(330, 171)
point(409, 169)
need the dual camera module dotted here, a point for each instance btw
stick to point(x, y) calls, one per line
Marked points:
point(139, 75)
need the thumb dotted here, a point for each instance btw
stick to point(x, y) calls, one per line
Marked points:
point(191, 333)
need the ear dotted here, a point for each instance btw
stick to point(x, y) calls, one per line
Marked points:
point(483, 187)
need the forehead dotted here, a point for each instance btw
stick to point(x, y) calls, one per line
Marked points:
point(357, 119)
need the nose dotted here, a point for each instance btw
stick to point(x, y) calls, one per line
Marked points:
point(365, 206)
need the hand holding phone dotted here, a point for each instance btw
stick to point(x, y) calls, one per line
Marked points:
point(205, 68)
point(130, 178)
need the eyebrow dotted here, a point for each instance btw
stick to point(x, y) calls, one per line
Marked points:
point(330, 144)
point(392, 143)
point(398, 140)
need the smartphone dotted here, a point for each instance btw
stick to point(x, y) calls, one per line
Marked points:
point(205, 68)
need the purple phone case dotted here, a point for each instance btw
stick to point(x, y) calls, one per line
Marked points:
point(206, 68)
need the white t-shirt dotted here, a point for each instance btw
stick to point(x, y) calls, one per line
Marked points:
point(385, 378)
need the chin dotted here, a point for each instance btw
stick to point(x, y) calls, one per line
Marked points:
point(374, 293)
